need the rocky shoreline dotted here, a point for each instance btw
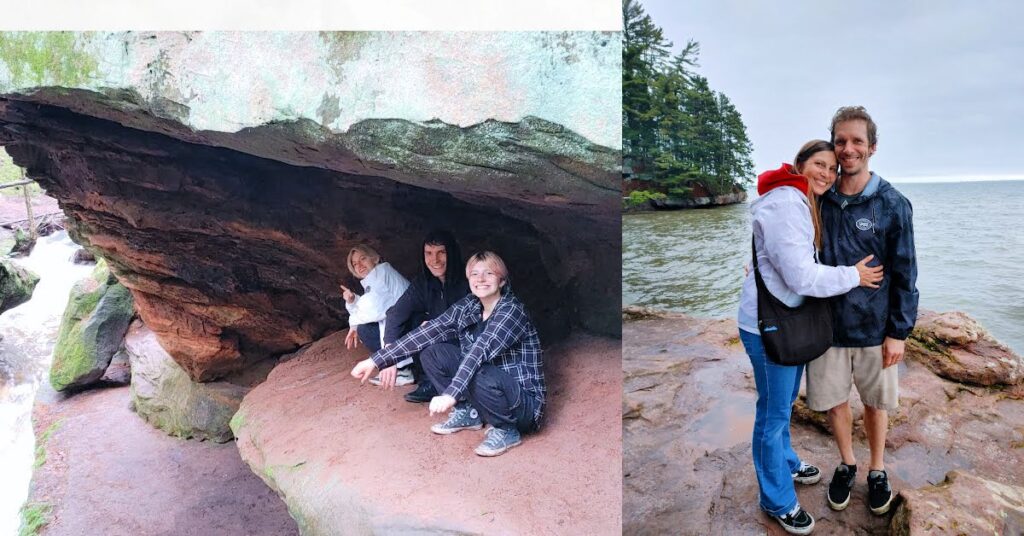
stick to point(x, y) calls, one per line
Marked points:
point(953, 452)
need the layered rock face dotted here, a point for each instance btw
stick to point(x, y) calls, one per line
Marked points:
point(688, 410)
point(234, 243)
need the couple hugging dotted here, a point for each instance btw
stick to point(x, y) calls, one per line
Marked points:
point(815, 236)
point(463, 336)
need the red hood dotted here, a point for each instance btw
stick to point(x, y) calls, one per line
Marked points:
point(784, 176)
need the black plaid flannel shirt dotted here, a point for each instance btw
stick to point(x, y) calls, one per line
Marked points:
point(509, 341)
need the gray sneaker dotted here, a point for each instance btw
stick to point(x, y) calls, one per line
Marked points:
point(498, 440)
point(462, 417)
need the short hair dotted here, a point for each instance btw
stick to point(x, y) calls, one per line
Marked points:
point(365, 250)
point(493, 261)
point(854, 113)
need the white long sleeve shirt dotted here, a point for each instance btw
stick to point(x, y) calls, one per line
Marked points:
point(381, 289)
point(784, 240)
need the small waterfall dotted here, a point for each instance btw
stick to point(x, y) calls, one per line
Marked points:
point(28, 333)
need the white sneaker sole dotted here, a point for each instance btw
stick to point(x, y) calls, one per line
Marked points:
point(884, 509)
point(807, 480)
point(793, 530)
point(487, 453)
point(437, 429)
point(839, 507)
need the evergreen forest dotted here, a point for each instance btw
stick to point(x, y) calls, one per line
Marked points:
point(679, 136)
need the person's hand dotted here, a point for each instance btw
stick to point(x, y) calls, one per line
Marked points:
point(347, 294)
point(388, 377)
point(870, 276)
point(352, 339)
point(746, 269)
point(892, 351)
point(441, 404)
point(364, 370)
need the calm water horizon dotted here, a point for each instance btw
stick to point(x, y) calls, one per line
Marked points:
point(968, 236)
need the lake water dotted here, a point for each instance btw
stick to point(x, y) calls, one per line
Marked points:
point(970, 250)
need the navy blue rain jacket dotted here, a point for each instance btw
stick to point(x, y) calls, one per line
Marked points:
point(878, 222)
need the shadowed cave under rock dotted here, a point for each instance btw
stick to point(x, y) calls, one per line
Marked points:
point(234, 256)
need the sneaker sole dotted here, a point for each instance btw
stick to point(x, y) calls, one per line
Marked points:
point(884, 509)
point(839, 507)
point(448, 431)
point(793, 530)
point(807, 480)
point(416, 400)
point(491, 453)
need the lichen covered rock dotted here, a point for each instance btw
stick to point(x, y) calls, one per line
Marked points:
point(163, 394)
point(94, 323)
point(16, 285)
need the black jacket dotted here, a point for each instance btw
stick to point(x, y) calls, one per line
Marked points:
point(425, 299)
point(880, 222)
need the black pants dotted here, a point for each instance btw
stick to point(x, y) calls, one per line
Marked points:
point(369, 335)
point(495, 394)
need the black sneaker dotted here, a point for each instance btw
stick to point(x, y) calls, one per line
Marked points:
point(807, 474)
point(796, 522)
point(839, 488)
point(879, 493)
point(423, 392)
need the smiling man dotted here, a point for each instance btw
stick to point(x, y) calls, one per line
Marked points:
point(864, 215)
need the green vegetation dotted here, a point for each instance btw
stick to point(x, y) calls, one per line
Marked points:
point(46, 58)
point(9, 173)
point(642, 197)
point(677, 132)
point(34, 516)
point(42, 442)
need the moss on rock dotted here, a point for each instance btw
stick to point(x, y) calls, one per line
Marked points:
point(91, 330)
point(47, 58)
point(16, 285)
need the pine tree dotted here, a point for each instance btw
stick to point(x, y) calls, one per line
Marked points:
point(674, 126)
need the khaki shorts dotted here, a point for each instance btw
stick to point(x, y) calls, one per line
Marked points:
point(830, 377)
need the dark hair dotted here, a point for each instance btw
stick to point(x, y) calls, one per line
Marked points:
point(854, 113)
point(453, 271)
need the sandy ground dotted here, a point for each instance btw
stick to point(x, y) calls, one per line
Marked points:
point(12, 208)
point(108, 472)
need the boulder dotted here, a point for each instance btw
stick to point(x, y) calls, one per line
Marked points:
point(961, 504)
point(351, 459)
point(83, 256)
point(16, 285)
point(164, 395)
point(91, 330)
point(23, 243)
point(955, 347)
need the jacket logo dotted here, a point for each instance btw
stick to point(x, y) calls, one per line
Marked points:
point(864, 224)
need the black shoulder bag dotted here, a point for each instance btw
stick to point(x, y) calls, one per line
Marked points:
point(791, 335)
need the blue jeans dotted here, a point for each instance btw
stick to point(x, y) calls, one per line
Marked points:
point(369, 335)
point(774, 458)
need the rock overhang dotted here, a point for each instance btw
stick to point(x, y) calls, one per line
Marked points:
point(234, 255)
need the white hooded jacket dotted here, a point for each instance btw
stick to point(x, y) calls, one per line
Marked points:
point(784, 240)
point(382, 287)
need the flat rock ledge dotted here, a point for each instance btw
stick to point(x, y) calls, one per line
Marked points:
point(351, 459)
point(954, 445)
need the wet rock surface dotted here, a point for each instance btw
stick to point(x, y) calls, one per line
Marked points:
point(166, 397)
point(16, 285)
point(91, 330)
point(351, 459)
point(688, 410)
point(106, 471)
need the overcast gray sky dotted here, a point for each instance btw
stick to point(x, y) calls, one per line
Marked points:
point(944, 80)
